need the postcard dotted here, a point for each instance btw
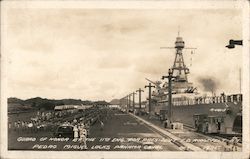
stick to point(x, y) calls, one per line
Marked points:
point(125, 79)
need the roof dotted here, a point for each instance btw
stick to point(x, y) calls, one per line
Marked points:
point(64, 107)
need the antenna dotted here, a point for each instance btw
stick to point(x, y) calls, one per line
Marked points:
point(178, 30)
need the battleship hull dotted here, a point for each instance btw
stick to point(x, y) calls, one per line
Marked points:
point(224, 118)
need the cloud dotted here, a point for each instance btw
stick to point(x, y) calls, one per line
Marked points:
point(97, 53)
point(156, 64)
point(113, 61)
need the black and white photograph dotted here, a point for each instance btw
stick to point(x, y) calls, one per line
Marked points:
point(102, 78)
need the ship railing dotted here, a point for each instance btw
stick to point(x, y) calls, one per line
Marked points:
point(207, 100)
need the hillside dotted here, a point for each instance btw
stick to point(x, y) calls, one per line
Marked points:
point(115, 102)
point(15, 104)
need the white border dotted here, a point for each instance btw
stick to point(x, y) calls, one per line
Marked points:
point(243, 5)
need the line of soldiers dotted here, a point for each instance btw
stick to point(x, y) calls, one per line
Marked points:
point(27, 126)
point(81, 131)
point(43, 121)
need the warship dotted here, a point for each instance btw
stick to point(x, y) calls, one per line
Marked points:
point(208, 114)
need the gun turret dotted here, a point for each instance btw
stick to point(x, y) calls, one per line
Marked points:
point(190, 90)
point(156, 83)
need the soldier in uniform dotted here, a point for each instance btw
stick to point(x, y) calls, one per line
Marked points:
point(75, 129)
point(83, 134)
point(102, 125)
point(227, 146)
point(234, 142)
point(87, 127)
point(74, 121)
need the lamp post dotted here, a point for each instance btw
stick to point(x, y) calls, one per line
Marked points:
point(232, 43)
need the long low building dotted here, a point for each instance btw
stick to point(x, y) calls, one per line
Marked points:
point(68, 107)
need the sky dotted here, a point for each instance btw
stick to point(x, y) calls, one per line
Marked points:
point(102, 54)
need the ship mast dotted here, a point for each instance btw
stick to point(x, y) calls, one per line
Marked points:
point(179, 68)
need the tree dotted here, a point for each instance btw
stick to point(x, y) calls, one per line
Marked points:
point(46, 106)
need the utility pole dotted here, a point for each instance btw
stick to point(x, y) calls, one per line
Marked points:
point(129, 101)
point(149, 98)
point(170, 77)
point(120, 103)
point(133, 101)
point(123, 102)
point(139, 90)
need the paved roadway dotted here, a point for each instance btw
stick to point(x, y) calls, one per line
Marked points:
point(121, 132)
point(206, 142)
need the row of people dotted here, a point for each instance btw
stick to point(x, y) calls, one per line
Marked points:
point(43, 120)
point(27, 126)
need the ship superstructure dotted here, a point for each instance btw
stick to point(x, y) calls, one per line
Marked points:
point(181, 85)
point(180, 70)
point(214, 114)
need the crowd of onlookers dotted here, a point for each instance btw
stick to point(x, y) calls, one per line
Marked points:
point(42, 121)
point(50, 120)
point(79, 122)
